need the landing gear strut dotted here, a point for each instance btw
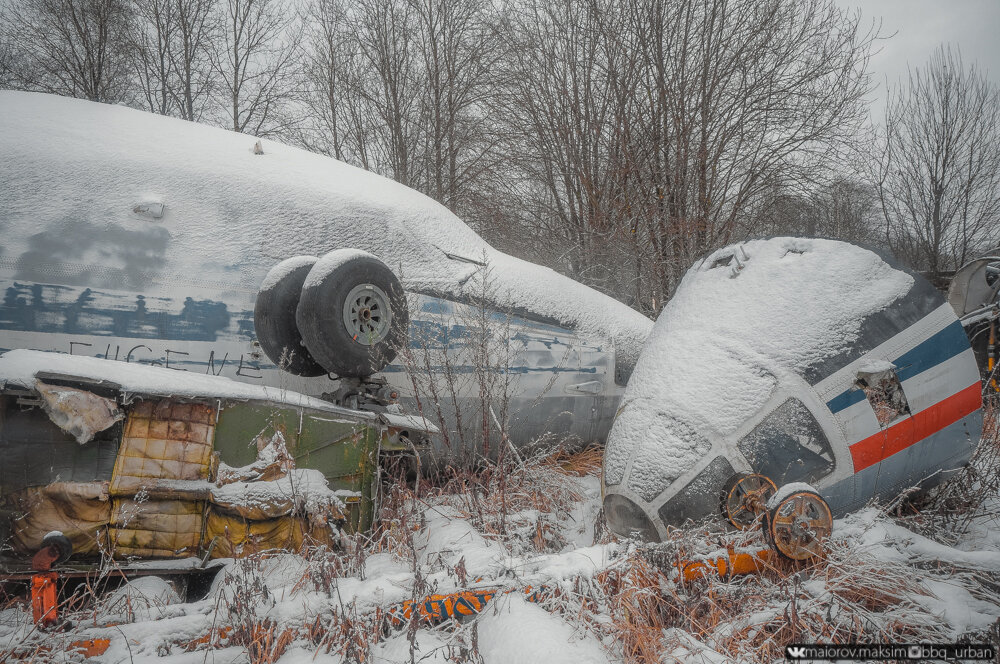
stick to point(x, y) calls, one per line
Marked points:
point(796, 520)
point(744, 498)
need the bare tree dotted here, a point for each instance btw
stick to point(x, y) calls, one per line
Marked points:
point(457, 48)
point(79, 48)
point(745, 93)
point(190, 55)
point(254, 59)
point(400, 87)
point(330, 69)
point(8, 57)
point(843, 208)
point(152, 40)
point(938, 170)
point(385, 41)
point(659, 126)
point(570, 108)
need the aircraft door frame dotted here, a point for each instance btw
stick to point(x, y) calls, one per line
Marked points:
point(594, 356)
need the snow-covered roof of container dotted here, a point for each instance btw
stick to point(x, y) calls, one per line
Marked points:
point(141, 182)
point(741, 321)
point(25, 367)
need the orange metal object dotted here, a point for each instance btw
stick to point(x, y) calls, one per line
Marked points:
point(90, 647)
point(991, 354)
point(42, 560)
point(438, 608)
point(733, 564)
point(435, 609)
point(44, 599)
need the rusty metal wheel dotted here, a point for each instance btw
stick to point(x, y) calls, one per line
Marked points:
point(744, 497)
point(798, 523)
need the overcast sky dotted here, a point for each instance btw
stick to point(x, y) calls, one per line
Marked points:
point(921, 25)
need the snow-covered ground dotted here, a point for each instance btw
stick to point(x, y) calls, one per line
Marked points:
point(885, 578)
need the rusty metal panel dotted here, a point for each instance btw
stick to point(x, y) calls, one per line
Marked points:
point(164, 440)
point(36, 452)
point(156, 528)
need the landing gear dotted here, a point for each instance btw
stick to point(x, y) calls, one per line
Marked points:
point(744, 497)
point(796, 518)
point(798, 523)
point(343, 314)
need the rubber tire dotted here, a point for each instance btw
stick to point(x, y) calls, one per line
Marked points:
point(61, 544)
point(321, 311)
point(274, 320)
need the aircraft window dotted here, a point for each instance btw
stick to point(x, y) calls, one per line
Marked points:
point(788, 446)
point(885, 394)
point(699, 498)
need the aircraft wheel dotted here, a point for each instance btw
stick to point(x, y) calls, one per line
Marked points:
point(352, 313)
point(798, 524)
point(274, 317)
point(744, 497)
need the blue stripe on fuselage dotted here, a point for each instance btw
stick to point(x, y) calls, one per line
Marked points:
point(944, 345)
point(845, 399)
point(931, 352)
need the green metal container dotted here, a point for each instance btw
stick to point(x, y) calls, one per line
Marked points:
point(340, 443)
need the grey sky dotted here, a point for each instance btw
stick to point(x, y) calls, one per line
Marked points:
point(922, 25)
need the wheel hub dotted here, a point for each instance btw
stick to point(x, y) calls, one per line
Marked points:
point(745, 499)
point(367, 314)
point(798, 525)
point(800, 528)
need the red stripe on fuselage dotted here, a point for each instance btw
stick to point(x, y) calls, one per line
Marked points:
point(913, 429)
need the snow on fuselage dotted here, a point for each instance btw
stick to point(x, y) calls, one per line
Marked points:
point(140, 238)
point(805, 360)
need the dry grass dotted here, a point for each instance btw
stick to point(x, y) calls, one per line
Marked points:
point(640, 606)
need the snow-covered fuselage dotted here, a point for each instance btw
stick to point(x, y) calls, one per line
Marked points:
point(562, 384)
point(139, 238)
point(805, 360)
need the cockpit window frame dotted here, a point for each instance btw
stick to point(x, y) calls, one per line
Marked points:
point(759, 446)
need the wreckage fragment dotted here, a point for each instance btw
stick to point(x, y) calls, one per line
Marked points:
point(809, 362)
point(78, 412)
point(204, 475)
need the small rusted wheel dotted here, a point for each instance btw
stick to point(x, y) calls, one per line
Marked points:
point(744, 497)
point(798, 524)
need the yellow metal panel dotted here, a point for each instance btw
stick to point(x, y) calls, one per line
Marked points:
point(156, 528)
point(164, 440)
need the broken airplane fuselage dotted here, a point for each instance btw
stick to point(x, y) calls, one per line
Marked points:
point(804, 360)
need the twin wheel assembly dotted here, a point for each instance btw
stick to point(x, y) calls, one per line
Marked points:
point(343, 314)
point(796, 521)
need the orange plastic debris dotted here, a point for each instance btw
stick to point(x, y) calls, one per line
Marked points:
point(733, 564)
point(436, 609)
point(44, 599)
point(211, 638)
point(90, 647)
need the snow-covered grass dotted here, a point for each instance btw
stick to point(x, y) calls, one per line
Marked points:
point(890, 573)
